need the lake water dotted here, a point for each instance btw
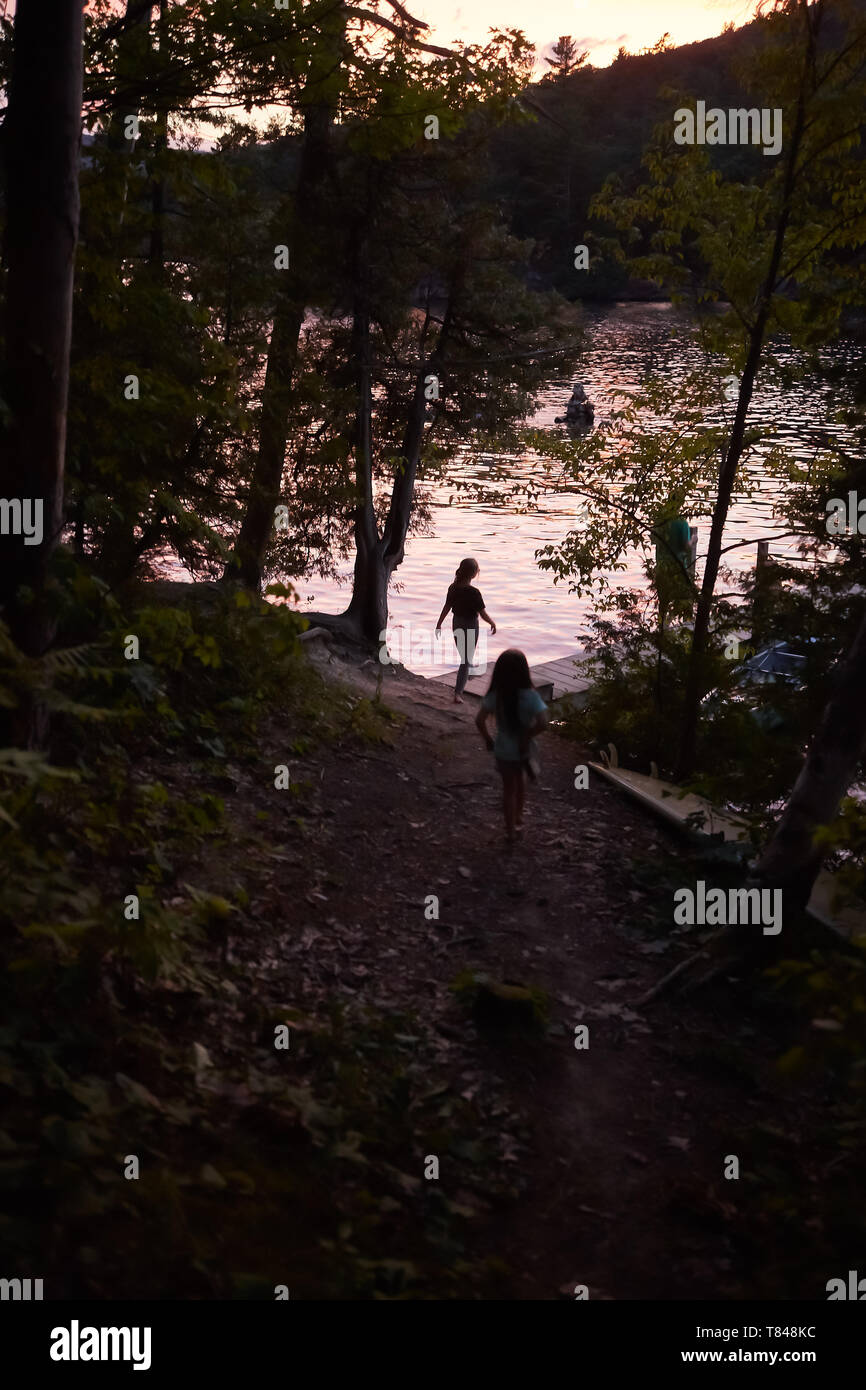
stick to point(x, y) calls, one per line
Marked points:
point(624, 343)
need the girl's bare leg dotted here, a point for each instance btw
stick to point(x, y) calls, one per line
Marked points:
point(510, 782)
point(519, 790)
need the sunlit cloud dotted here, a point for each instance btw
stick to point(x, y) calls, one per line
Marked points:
point(639, 23)
point(592, 44)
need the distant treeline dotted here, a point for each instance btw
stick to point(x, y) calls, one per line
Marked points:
point(594, 123)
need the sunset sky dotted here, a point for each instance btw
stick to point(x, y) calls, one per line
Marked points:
point(602, 26)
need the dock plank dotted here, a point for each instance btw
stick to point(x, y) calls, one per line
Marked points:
point(559, 673)
point(563, 679)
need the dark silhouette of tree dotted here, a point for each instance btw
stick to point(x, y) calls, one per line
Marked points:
point(42, 135)
point(567, 58)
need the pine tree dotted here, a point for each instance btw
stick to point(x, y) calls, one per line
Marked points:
point(567, 58)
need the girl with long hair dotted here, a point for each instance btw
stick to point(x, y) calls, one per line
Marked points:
point(520, 713)
point(468, 606)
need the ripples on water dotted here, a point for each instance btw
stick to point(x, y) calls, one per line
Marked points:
point(624, 344)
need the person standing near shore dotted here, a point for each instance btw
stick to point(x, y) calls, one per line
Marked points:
point(467, 605)
point(520, 714)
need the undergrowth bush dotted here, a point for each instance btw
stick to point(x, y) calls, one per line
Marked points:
point(100, 836)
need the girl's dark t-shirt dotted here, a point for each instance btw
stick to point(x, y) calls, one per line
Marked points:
point(466, 602)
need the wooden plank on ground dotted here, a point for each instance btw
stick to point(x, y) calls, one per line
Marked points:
point(666, 800)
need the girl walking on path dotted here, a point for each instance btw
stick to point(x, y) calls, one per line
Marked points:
point(468, 606)
point(520, 713)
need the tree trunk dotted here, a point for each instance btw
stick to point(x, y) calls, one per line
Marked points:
point(403, 491)
point(695, 681)
point(100, 275)
point(43, 142)
point(367, 614)
point(134, 38)
point(377, 558)
point(792, 861)
point(247, 563)
point(156, 252)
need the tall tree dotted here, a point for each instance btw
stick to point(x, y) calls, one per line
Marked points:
point(42, 147)
point(382, 92)
point(301, 213)
point(471, 357)
point(567, 58)
point(757, 327)
point(776, 249)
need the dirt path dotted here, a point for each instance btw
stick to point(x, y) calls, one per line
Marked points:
point(609, 1171)
point(334, 1089)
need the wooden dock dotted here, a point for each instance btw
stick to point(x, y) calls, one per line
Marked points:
point(554, 680)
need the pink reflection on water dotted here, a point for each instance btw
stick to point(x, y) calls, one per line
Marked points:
point(531, 611)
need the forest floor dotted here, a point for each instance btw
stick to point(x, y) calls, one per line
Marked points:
point(559, 1166)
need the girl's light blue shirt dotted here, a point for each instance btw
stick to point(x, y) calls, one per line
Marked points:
point(506, 745)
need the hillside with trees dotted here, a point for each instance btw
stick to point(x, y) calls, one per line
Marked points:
point(585, 125)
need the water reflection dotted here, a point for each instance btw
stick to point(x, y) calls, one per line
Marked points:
point(625, 344)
